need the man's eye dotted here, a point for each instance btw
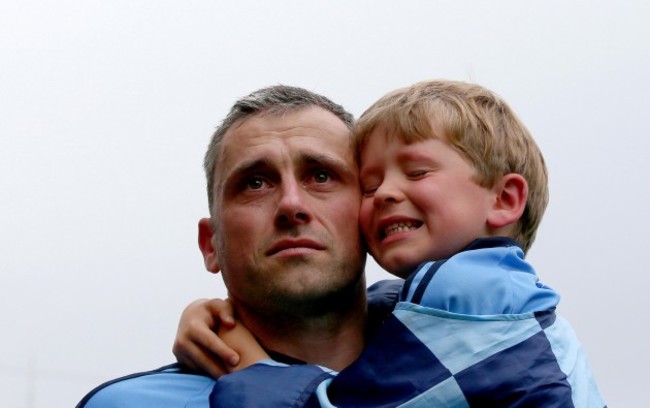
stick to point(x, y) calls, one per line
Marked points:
point(321, 176)
point(255, 183)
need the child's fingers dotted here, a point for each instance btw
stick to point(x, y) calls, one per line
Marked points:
point(244, 343)
point(222, 309)
point(209, 340)
point(197, 345)
point(199, 359)
point(197, 311)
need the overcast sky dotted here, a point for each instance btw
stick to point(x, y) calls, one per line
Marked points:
point(106, 108)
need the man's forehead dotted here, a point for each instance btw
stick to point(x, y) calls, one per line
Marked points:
point(308, 118)
point(303, 136)
point(303, 130)
point(271, 152)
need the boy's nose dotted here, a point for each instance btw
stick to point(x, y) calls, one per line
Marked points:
point(388, 193)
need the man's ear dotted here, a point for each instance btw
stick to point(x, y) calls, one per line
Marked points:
point(511, 194)
point(207, 245)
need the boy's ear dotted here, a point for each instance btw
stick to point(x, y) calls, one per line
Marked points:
point(207, 245)
point(511, 194)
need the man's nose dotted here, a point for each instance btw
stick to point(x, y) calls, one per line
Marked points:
point(292, 207)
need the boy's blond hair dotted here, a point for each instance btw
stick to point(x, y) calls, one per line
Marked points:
point(479, 125)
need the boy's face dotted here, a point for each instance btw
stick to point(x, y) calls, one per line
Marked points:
point(420, 201)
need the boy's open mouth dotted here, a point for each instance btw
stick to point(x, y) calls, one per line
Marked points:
point(398, 227)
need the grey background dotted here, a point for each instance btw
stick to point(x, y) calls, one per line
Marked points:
point(106, 109)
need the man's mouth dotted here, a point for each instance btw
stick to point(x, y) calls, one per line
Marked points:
point(294, 245)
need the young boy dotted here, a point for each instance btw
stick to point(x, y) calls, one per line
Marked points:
point(454, 188)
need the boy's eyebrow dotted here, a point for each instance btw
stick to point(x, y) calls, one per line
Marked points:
point(414, 155)
point(364, 169)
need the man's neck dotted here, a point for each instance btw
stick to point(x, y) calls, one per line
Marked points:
point(333, 338)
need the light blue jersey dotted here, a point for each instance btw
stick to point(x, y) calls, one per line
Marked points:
point(475, 330)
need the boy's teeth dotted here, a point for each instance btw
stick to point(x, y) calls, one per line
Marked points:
point(400, 227)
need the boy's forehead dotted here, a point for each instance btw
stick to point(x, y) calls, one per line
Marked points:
point(429, 129)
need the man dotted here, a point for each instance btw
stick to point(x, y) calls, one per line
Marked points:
point(284, 203)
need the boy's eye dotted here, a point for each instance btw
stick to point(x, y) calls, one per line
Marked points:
point(417, 173)
point(369, 184)
point(368, 191)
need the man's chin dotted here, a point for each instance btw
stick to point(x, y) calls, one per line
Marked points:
point(314, 296)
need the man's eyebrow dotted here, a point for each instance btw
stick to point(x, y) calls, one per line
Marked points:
point(327, 161)
point(251, 164)
point(242, 168)
point(248, 166)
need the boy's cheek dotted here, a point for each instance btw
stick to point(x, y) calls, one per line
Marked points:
point(365, 219)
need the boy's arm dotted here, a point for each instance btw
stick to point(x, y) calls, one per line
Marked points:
point(270, 384)
point(199, 347)
point(244, 343)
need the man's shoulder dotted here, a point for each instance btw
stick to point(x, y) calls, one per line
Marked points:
point(168, 386)
point(271, 384)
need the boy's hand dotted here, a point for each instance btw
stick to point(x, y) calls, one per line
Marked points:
point(197, 345)
point(244, 343)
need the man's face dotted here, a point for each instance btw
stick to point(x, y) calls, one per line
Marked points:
point(285, 216)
